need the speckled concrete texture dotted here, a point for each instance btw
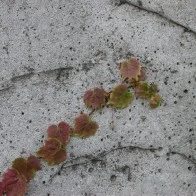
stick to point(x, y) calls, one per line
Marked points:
point(52, 51)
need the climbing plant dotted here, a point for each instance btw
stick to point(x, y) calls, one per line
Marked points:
point(16, 179)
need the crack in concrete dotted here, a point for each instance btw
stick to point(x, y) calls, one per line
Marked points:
point(6, 89)
point(140, 7)
point(83, 160)
point(22, 77)
point(188, 158)
point(58, 72)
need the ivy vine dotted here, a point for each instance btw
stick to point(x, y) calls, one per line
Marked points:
point(16, 179)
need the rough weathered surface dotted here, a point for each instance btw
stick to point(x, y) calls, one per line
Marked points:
point(53, 51)
point(180, 12)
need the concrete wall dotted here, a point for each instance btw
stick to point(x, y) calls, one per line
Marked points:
point(52, 51)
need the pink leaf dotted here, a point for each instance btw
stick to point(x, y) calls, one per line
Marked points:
point(95, 98)
point(13, 183)
point(1, 189)
point(27, 168)
point(130, 69)
point(34, 163)
point(142, 75)
point(52, 152)
point(60, 132)
point(84, 126)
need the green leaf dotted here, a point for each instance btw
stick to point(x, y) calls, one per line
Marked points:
point(142, 90)
point(145, 91)
point(155, 101)
point(120, 97)
point(20, 164)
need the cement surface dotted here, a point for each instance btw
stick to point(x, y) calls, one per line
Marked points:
point(52, 51)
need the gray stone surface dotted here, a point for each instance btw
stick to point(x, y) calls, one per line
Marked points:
point(53, 51)
point(181, 12)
